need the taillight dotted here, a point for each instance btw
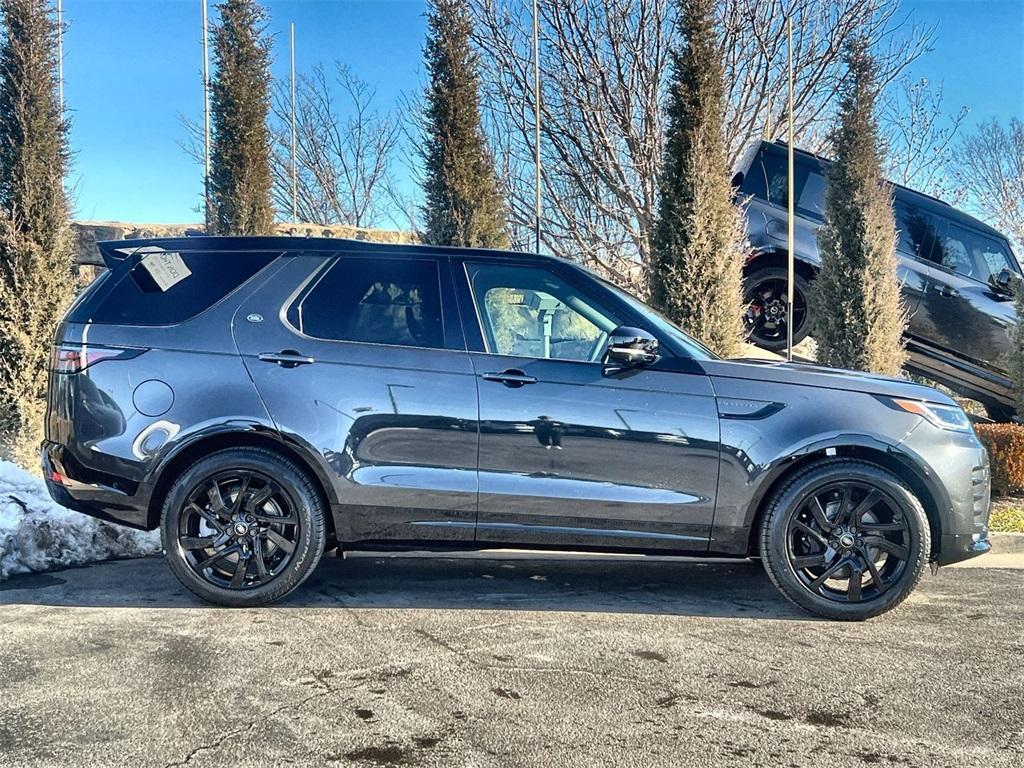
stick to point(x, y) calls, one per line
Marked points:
point(72, 358)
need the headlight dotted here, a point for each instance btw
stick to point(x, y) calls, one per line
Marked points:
point(942, 416)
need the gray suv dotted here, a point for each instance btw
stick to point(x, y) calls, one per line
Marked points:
point(956, 273)
point(263, 400)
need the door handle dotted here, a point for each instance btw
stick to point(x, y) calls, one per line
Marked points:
point(946, 291)
point(513, 377)
point(286, 358)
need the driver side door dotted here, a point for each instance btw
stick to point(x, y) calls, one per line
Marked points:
point(574, 453)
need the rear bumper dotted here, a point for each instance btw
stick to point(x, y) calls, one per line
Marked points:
point(91, 493)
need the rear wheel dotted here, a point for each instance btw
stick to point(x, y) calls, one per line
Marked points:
point(845, 539)
point(243, 527)
point(764, 299)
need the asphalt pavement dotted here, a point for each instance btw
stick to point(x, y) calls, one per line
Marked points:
point(506, 661)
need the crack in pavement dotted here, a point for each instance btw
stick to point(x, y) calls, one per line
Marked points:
point(219, 741)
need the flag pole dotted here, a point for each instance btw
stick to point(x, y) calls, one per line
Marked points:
point(206, 116)
point(536, 129)
point(295, 217)
point(791, 203)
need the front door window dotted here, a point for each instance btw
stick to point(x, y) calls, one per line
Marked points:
point(530, 312)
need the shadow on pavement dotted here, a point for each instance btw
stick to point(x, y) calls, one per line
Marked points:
point(495, 581)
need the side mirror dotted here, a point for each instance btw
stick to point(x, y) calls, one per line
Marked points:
point(1002, 281)
point(631, 346)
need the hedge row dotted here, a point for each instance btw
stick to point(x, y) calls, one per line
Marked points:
point(1005, 443)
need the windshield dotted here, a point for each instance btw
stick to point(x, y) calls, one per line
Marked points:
point(663, 325)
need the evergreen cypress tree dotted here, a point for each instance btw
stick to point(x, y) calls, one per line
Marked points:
point(696, 247)
point(463, 204)
point(240, 177)
point(36, 282)
point(856, 305)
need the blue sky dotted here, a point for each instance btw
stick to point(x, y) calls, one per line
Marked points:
point(132, 66)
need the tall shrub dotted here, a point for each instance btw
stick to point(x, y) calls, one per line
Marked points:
point(35, 239)
point(463, 204)
point(856, 305)
point(240, 183)
point(696, 248)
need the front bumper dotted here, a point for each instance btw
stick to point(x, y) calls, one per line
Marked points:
point(958, 475)
point(105, 497)
point(964, 546)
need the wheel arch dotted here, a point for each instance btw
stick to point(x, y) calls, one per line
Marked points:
point(906, 467)
point(779, 258)
point(234, 436)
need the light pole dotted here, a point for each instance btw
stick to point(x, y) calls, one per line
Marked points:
point(536, 128)
point(295, 217)
point(60, 57)
point(791, 203)
point(206, 117)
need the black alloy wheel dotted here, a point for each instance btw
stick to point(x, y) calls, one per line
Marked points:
point(243, 527)
point(764, 316)
point(848, 542)
point(845, 539)
point(238, 530)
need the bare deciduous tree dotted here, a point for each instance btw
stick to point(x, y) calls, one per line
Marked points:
point(344, 150)
point(603, 69)
point(990, 169)
point(918, 136)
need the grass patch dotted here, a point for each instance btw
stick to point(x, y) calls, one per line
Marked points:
point(1007, 515)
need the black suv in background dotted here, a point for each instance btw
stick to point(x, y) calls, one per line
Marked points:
point(261, 400)
point(956, 272)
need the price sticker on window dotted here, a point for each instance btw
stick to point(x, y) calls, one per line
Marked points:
point(167, 268)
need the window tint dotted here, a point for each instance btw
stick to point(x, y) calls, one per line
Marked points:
point(530, 312)
point(375, 301)
point(164, 288)
point(973, 254)
point(767, 178)
point(811, 200)
point(768, 181)
point(919, 233)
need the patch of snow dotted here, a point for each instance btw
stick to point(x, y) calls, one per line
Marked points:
point(37, 534)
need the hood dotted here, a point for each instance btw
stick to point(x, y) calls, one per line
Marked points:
point(809, 375)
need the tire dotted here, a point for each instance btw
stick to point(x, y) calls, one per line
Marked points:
point(266, 512)
point(876, 526)
point(758, 322)
point(1000, 413)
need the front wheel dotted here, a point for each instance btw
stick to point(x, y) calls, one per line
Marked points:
point(243, 527)
point(764, 316)
point(845, 539)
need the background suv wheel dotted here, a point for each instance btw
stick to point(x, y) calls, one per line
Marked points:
point(243, 527)
point(764, 296)
point(845, 539)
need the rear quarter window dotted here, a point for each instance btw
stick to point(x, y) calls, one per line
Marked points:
point(164, 288)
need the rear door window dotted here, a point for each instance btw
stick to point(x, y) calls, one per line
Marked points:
point(169, 287)
point(374, 301)
point(920, 233)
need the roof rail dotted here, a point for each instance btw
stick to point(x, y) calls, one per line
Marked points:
point(823, 159)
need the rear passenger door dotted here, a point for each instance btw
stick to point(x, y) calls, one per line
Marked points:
point(361, 360)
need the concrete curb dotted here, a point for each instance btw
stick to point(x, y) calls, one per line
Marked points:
point(1007, 543)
